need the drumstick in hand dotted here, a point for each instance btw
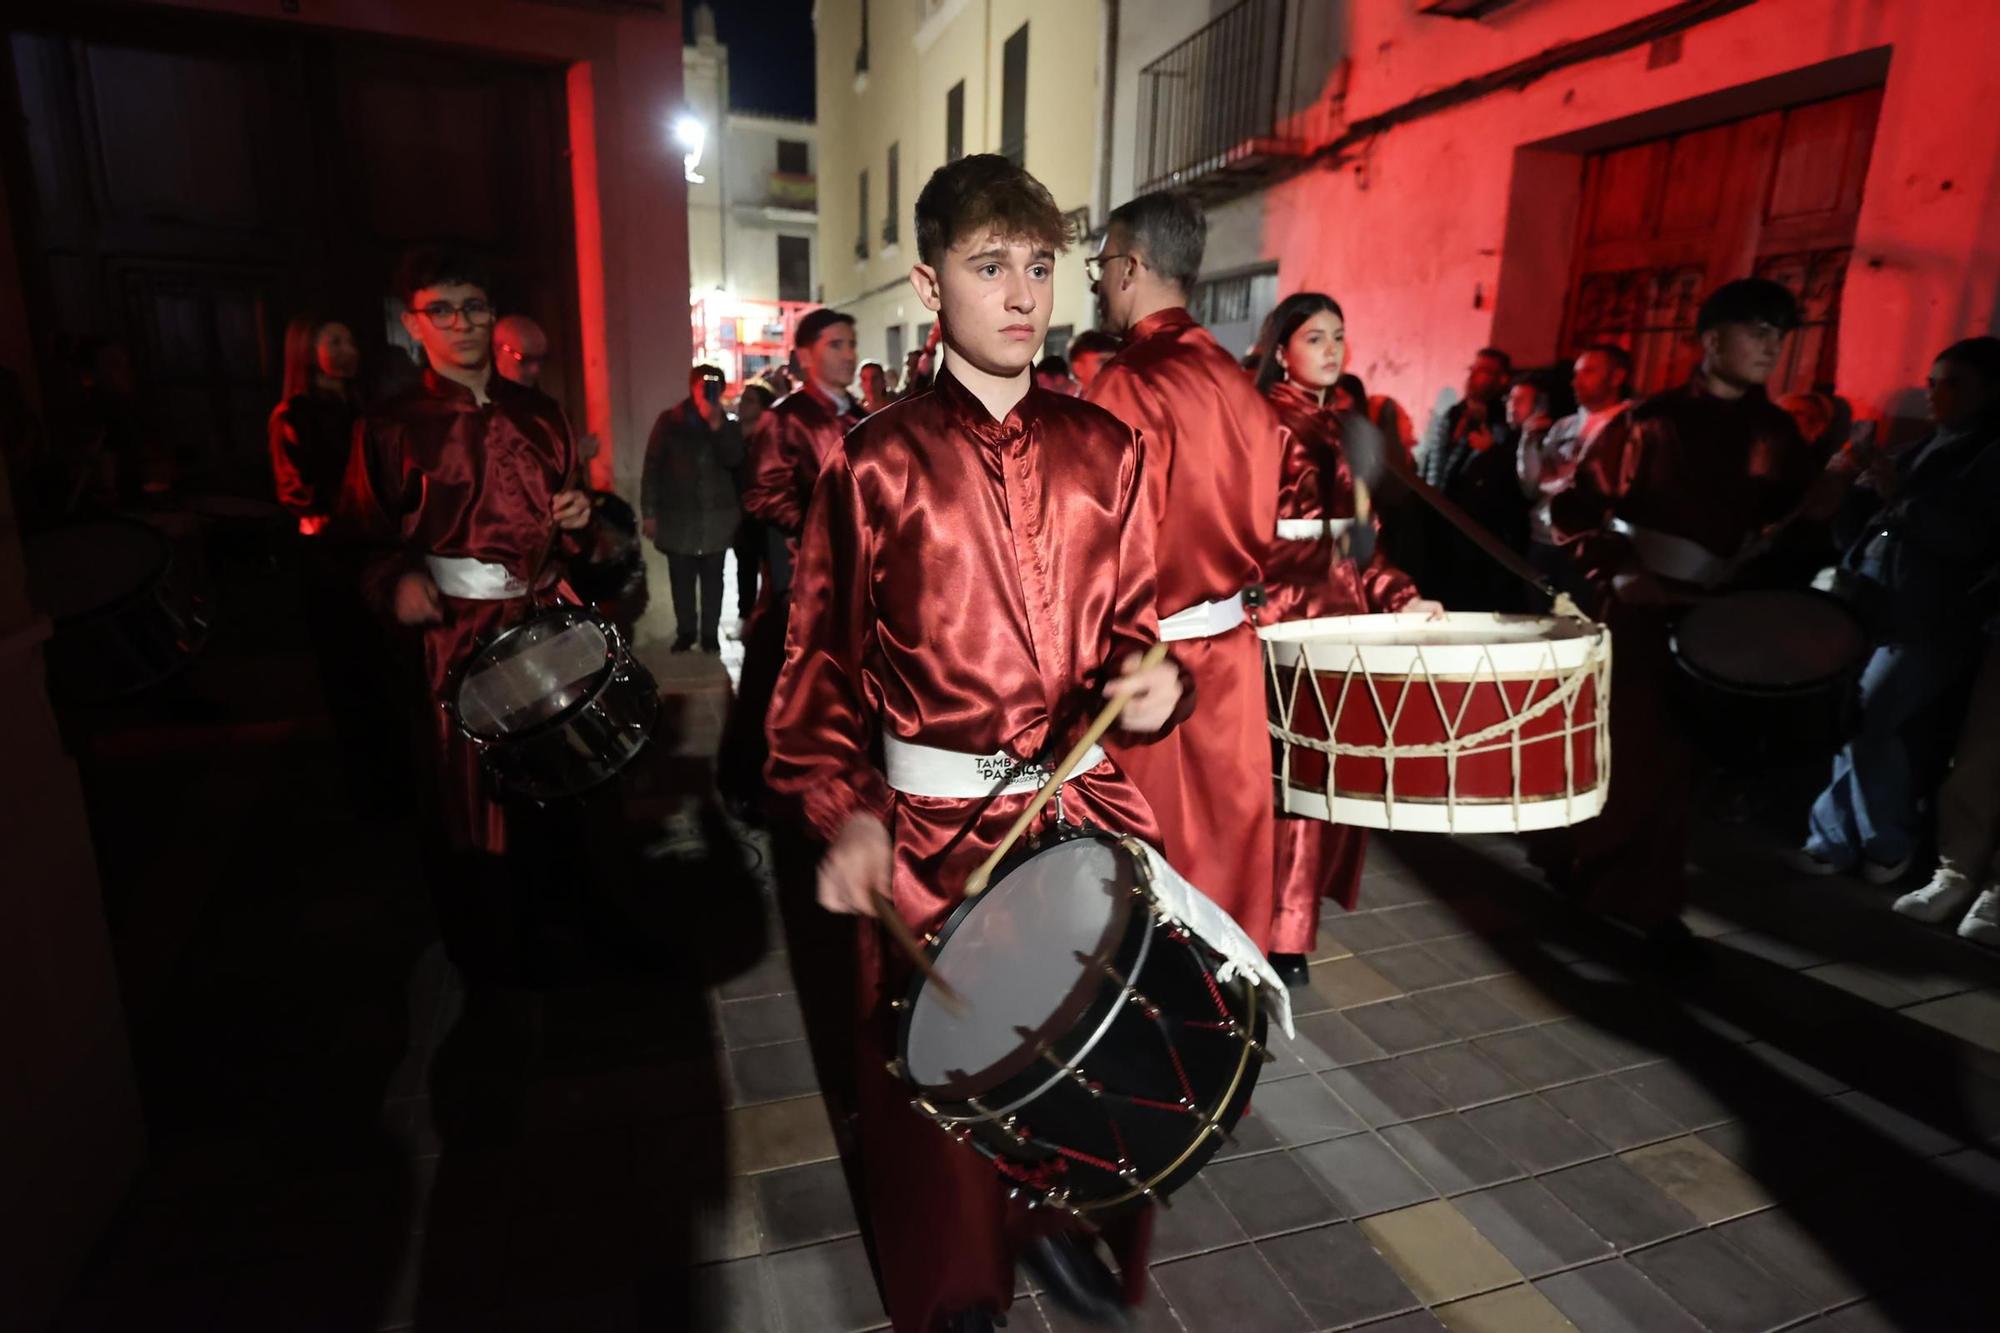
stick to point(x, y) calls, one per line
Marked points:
point(975, 883)
point(913, 949)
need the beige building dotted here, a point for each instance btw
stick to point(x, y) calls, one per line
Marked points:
point(906, 85)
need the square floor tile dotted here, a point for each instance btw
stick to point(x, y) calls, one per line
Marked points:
point(1461, 1075)
point(760, 1021)
point(1303, 1110)
point(1617, 1204)
point(733, 1298)
point(1698, 1178)
point(775, 1134)
point(1450, 1154)
point(1228, 1291)
point(1534, 1057)
point(802, 1205)
point(1470, 955)
point(771, 1073)
point(1195, 1224)
point(1438, 1253)
point(1359, 932)
point(828, 1286)
point(1524, 997)
point(1431, 921)
point(1363, 1175)
point(1414, 967)
point(1384, 1092)
point(1416, 1321)
point(1608, 1051)
point(1534, 1134)
point(1251, 1134)
point(1614, 1297)
point(1780, 1245)
point(1154, 1315)
point(1398, 1025)
point(1336, 1276)
point(1269, 1194)
point(1346, 982)
point(1683, 1095)
point(1469, 1010)
point(769, 975)
point(1325, 1041)
point(1519, 1309)
point(1724, 1290)
point(1531, 1227)
point(1612, 1113)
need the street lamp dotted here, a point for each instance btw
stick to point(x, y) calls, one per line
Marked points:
point(691, 135)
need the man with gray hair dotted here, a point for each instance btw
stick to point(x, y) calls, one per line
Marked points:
point(1212, 451)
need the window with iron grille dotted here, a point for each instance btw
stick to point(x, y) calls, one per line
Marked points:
point(1014, 98)
point(890, 224)
point(861, 237)
point(954, 122)
point(794, 268)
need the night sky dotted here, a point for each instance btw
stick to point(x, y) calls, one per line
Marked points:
point(770, 53)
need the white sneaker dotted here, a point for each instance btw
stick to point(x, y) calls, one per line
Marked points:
point(1982, 923)
point(1877, 873)
point(1940, 900)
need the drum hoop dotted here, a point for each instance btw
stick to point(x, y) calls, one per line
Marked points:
point(1285, 647)
point(162, 569)
point(613, 667)
point(1140, 918)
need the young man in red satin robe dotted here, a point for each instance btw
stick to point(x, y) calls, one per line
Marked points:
point(975, 576)
point(1309, 575)
point(1212, 454)
point(463, 483)
point(786, 453)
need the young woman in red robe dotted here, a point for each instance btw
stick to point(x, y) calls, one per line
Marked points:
point(975, 574)
point(1310, 574)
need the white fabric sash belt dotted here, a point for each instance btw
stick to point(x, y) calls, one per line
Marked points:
point(474, 580)
point(1312, 529)
point(923, 770)
point(1203, 620)
point(1675, 557)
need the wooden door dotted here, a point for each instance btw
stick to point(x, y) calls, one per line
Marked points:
point(1666, 221)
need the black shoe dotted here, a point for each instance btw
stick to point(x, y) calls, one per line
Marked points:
point(711, 646)
point(1072, 1276)
point(683, 645)
point(1292, 969)
point(971, 1321)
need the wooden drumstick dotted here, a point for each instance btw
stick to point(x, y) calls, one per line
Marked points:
point(913, 949)
point(975, 883)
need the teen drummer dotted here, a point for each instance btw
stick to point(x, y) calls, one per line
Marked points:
point(975, 576)
point(463, 483)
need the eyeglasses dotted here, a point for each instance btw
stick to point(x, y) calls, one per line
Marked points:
point(477, 314)
point(1093, 267)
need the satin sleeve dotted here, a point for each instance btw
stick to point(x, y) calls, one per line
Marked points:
point(1135, 622)
point(1300, 495)
point(377, 494)
point(773, 493)
point(288, 477)
point(1119, 391)
point(1580, 514)
point(1386, 587)
point(825, 714)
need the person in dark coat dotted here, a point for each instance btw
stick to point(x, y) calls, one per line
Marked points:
point(688, 499)
point(1470, 458)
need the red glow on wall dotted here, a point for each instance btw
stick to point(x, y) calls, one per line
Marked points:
point(591, 330)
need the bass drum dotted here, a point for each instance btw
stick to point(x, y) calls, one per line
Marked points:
point(128, 613)
point(1769, 673)
point(556, 705)
point(1095, 1056)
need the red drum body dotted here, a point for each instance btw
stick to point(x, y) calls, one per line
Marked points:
point(1476, 723)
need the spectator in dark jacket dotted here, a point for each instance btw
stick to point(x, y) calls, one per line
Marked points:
point(688, 498)
point(1919, 537)
point(1470, 457)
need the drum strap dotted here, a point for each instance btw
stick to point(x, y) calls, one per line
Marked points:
point(474, 580)
point(924, 770)
point(1203, 620)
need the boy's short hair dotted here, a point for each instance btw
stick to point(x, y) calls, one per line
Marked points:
point(818, 322)
point(1748, 301)
point(986, 194)
point(440, 266)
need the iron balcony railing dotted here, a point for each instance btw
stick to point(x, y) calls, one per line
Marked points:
point(1233, 104)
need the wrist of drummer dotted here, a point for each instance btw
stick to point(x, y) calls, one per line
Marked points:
point(829, 805)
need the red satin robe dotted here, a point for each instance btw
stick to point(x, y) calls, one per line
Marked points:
point(435, 473)
point(800, 432)
point(1714, 471)
point(1316, 859)
point(963, 583)
point(1212, 456)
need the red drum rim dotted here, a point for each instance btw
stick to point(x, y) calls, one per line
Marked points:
point(1462, 643)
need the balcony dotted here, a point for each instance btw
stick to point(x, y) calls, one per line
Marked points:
point(1240, 103)
point(787, 189)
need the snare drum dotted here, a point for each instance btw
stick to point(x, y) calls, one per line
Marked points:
point(128, 611)
point(1477, 723)
point(556, 704)
point(1103, 1048)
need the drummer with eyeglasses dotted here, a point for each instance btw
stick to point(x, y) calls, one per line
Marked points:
point(974, 578)
point(465, 485)
point(1658, 516)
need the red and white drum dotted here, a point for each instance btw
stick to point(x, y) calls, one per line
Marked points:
point(1476, 723)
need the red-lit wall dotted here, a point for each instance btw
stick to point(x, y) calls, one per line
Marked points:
point(1455, 229)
